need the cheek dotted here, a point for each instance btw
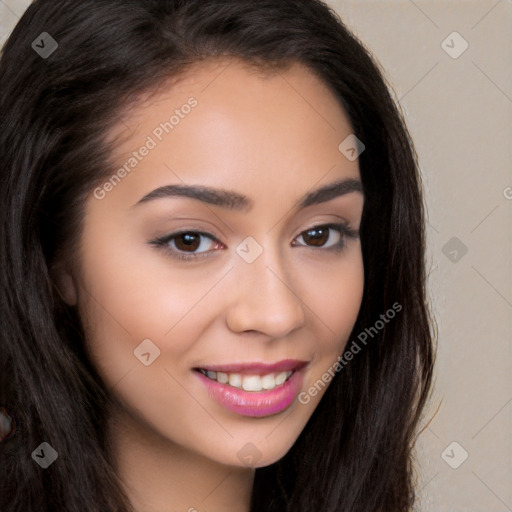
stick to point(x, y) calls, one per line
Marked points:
point(129, 296)
point(334, 307)
point(336, 299)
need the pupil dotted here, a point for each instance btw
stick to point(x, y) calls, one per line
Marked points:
point(318, 236)
point(188, 241)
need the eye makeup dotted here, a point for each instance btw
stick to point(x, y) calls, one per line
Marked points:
point(177, 244)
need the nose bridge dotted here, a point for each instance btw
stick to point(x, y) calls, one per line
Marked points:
point(265, 298)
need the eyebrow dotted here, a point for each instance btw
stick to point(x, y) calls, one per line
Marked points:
point(239, 202)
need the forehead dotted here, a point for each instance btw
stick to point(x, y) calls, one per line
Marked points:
point(238, 83)
point(226, 121)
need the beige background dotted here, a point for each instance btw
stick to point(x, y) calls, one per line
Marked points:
point(459, 114)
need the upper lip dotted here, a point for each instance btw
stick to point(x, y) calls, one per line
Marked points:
point(257, 367)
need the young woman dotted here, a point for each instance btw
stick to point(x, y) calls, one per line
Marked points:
point(212, 254)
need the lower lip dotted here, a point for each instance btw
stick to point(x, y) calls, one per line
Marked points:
point(255, 403)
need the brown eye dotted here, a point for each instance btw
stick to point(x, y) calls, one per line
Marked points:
point(188, 244)
point(316, 237)
point(328, 236)
point(187, 241)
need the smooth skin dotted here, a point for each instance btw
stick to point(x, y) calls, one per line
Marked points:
point(274, 138)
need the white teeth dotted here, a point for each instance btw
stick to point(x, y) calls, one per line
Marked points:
point(268, 381)
point(280, 378)
point(249, 382)
point(235, 380)
point(222, 377)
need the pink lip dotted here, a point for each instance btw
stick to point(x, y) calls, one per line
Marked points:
point(258, 368)
point(255, 403)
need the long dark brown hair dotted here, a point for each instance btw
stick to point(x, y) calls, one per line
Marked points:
point(355, 453)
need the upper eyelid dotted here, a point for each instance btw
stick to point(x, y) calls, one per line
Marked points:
point(197, 231)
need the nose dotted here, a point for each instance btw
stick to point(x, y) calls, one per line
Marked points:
point(264, 299)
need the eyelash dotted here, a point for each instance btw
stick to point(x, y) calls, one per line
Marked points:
point(163, 242)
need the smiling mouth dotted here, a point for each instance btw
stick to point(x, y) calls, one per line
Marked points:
point(249, 382)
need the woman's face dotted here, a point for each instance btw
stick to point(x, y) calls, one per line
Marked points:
point(212, 252)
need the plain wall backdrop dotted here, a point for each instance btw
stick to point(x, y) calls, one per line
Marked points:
point(449, 64)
